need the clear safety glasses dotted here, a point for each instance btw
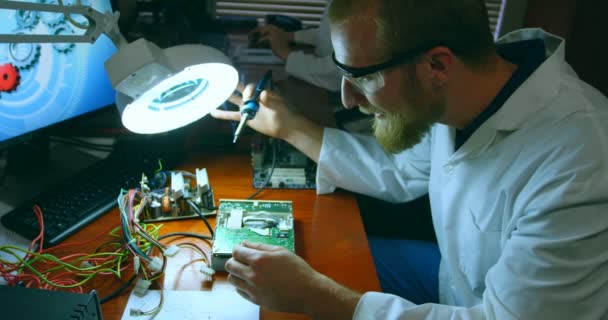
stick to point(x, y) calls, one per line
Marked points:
point(371, 79)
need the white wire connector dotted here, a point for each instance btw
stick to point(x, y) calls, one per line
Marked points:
point(141, 287)
point(171, 251)
point(156, 264)
point(136, 265)
point(208, 272)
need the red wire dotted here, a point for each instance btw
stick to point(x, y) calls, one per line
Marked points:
point(6, 270)
point(40, 236)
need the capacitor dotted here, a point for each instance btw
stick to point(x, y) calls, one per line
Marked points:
point(166, 202)
point(154, 211)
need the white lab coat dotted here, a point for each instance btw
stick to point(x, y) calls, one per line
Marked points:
point(520, 210)
point(318, 69)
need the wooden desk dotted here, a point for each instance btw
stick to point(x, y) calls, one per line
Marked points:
point(329, 234)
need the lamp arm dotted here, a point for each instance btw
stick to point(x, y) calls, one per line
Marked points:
point(99, 23)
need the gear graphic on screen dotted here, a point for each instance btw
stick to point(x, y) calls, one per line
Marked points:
point(63, 29)
point(52, 19)
point(9, 78)
point(46, 83)
point(27, 19)
point(23, 55)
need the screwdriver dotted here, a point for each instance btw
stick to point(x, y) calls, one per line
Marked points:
point(252, 105)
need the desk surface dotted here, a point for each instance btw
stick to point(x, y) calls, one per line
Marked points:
point(329, 234)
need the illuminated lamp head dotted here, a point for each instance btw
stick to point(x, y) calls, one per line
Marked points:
point(158, 90)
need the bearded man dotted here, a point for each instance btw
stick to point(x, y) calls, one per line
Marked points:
point(511, 146)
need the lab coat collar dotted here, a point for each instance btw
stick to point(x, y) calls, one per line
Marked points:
point(542, 85)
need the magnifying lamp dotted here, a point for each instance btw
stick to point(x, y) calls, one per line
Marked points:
point(157, 90)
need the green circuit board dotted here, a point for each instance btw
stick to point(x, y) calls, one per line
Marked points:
point(264, 221)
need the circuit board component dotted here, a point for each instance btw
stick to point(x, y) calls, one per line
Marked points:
point(186, 194)
point(264, 221)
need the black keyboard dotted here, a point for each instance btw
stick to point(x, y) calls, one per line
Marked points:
point(76, 202)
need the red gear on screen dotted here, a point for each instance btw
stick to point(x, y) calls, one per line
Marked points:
point(9, 77)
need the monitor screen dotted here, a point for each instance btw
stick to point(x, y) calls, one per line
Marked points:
point(44, 84)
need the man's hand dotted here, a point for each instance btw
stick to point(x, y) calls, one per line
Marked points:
point(274, 277)
point(278, 39)
point(273, 118)
point(276, 120)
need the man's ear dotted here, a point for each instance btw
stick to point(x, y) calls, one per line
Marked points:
point(439, 63)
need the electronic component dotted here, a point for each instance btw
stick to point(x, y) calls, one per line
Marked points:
point(292, 169)
point(181, 200)
point(269, 222)
point(171, 251)
point(141, 287)
point(207, 272)
point(28, 303)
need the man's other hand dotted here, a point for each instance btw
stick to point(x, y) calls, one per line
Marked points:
point(272, 276)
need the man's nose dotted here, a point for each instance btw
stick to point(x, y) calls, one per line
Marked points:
point(351, 96)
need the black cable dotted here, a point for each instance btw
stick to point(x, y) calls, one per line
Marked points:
point(118, 291)
point(130, 281)
point(274, 158)
point(200, 214)
point(87, 147)
point(79, 145)
point(75, 140)
point(84, 144)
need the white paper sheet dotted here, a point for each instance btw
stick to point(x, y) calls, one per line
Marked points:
point(220, 304)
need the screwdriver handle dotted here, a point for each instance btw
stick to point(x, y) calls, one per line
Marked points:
point(252, 105)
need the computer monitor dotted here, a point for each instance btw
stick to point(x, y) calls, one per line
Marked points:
point(45, 84)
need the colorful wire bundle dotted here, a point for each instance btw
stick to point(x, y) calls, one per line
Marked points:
point(37, 267)
point(131, 249)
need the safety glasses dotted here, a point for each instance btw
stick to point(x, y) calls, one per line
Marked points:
point(370, 79)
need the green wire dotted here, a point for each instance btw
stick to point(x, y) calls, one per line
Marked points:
point(160, 166)
point(49, 282)
point(119, 257)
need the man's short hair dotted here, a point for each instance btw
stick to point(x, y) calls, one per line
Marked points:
point(403, 25)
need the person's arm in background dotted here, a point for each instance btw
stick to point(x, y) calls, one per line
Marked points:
point(316, 68)
point(319, 71)
point(280, 41)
